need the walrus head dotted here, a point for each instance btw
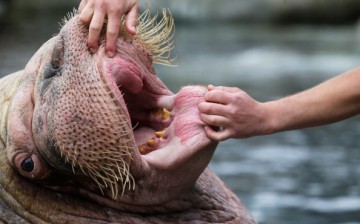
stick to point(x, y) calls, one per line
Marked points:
point(108, 128)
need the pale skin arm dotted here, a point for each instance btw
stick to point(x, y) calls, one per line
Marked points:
point(241, 116)
point(94, 12)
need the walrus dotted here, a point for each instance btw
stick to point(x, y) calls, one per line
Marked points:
point(89, 139)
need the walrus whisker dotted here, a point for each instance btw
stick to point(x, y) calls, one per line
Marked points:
point(157, 36)
point(68, 17)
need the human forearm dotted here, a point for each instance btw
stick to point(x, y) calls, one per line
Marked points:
point(333, 100)
point(240, 116)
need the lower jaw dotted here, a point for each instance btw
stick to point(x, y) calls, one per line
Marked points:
point(184, 121)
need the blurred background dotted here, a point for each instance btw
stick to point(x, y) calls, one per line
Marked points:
point(270, 49)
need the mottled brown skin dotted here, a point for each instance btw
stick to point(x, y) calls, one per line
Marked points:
point(172, 183)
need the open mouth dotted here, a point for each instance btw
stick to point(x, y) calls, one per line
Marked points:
point(125, 110)
point(147, 100)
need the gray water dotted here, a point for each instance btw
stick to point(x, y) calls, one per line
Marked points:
point(306, 176)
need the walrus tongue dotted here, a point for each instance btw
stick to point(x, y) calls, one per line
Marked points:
point(126, 74)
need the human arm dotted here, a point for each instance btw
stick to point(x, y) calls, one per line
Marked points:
point(241, 116)
point(94, 12)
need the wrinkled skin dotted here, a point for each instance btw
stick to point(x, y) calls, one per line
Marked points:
point(67, 101)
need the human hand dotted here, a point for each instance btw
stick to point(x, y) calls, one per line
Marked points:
point(233, 112)
point(94, 12)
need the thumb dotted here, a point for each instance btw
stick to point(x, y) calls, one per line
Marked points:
point(216, 135)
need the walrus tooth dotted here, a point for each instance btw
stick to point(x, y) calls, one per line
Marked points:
point(149, 146)
point(160, 134)
point(163, 113)
point(152, 143)
point(143, 150)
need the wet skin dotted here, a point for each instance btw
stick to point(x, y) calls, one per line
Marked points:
point(103, 139)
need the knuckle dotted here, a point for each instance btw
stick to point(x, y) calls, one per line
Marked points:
point(102, 5)
point(238, 96)
point(95, 28)
point(204, 107)
point(232, 112)
point(111, 33)
point(115, 8)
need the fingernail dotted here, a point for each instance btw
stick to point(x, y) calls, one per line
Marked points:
point(92, 50)
point(110, 54)
point(133, 28)
point(207, 129)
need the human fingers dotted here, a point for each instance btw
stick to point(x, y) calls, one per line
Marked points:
point(131, 19)
point(224, 88)
point(212, 108)
point(217, 135)
point(82, 5)
point(218, 96)
point(87, 12)
point(210, 87)
point(95, 28)
point(214, 120)
point(112, 32)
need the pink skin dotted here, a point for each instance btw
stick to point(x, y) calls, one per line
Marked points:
point(241, 116)
point(20, 143)
point(230, 108)
point(189, 120)
point(184, 151)
point(185, 140)
point(94, 13)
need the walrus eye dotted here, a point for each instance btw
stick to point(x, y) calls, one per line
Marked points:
point(28, 165)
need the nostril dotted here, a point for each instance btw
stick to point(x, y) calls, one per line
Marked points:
point(55, 64)
point(54, 68)
point(52, 71)
point(57, 57)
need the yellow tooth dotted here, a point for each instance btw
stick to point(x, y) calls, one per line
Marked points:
point(143, 149)
point(151, 143)
point(149, 146)
point(160, 134)
point(165, 114)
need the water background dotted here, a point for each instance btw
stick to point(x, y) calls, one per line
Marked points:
point(306, 176)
